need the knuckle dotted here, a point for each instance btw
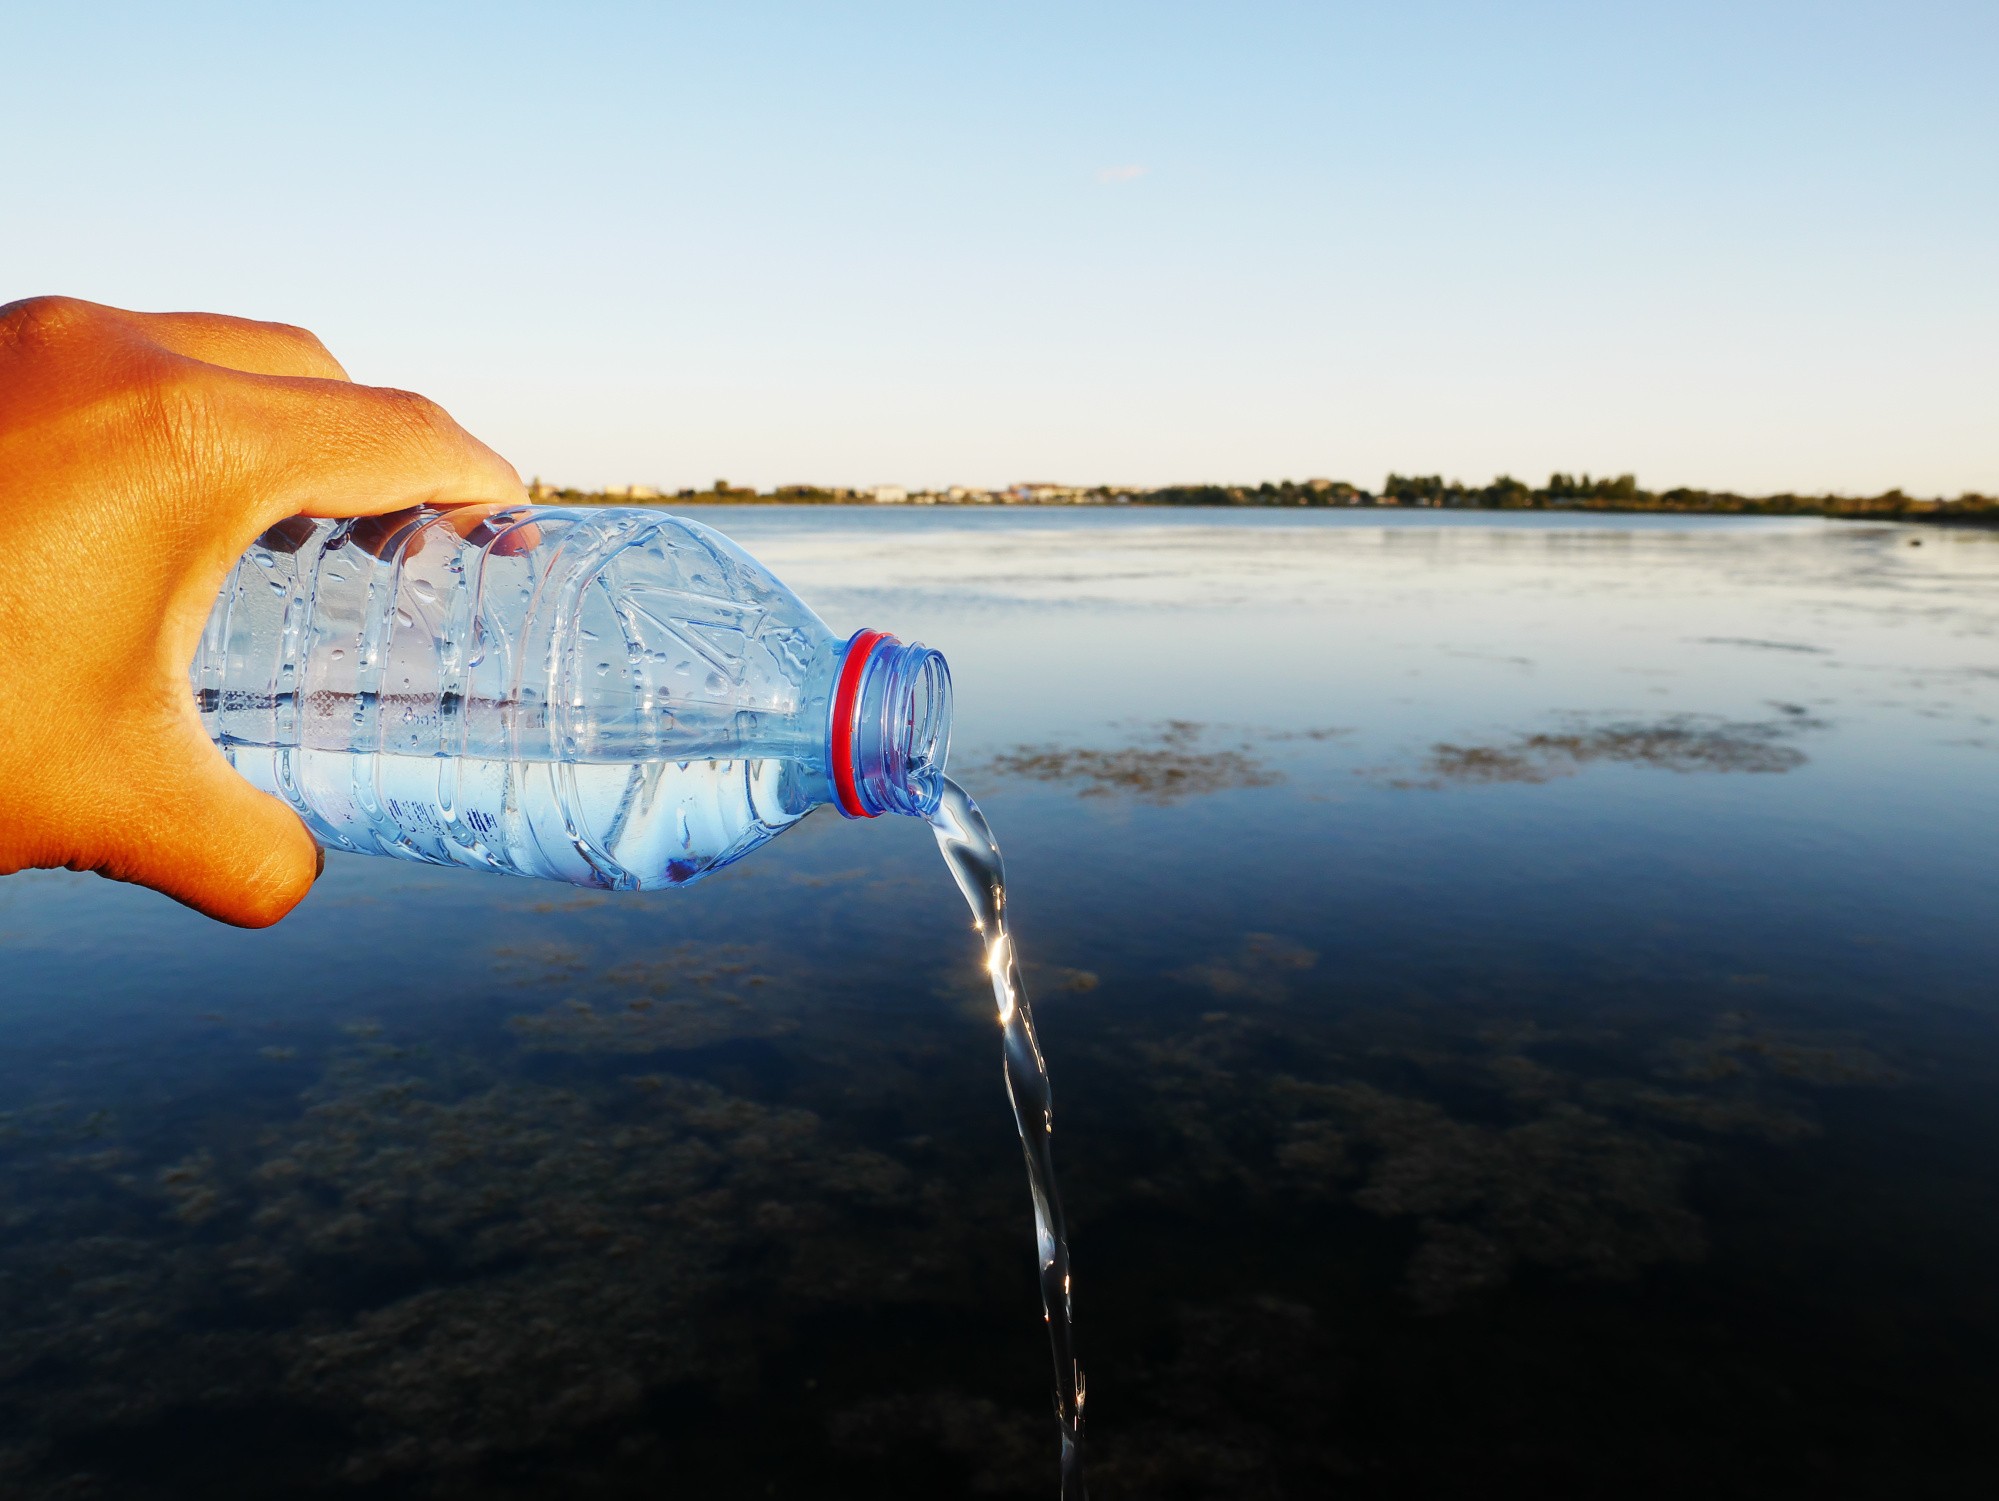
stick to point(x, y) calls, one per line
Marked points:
point(247, 344)
point(307, 343)
point(34, 322)
point(304, 338)
point(413, 416)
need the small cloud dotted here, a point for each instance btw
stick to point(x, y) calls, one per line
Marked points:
point(1120, 174)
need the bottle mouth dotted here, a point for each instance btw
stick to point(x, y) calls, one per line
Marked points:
point(891, 727)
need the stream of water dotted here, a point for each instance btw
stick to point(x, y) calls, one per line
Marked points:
point(974, 857)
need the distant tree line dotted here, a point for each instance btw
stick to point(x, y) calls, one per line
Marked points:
point(1562, 492)
point(721, 492)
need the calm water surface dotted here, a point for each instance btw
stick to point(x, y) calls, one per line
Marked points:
point(1520, 993)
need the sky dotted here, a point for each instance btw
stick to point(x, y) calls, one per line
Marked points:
point(1742, 245)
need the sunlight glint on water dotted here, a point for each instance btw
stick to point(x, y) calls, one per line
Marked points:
point(974, 857)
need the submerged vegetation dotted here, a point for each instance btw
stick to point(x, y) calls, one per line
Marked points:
point(1681, 743)
point(1179, 759)
point(1173, 765)
point(577, 1249)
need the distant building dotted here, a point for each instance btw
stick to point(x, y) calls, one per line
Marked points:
point(889, 495)
point(1339, 492)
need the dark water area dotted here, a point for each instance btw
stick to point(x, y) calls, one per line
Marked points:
point(1520, 994)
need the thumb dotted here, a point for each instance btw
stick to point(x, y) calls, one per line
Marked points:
point(193, 827)
point(204, 836)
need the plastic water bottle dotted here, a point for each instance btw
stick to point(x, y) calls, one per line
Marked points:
point(610, 697)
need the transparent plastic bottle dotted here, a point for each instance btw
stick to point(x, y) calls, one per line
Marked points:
point(609, 697)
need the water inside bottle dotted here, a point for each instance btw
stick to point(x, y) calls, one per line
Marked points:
point(974, 859)
point(616, 824)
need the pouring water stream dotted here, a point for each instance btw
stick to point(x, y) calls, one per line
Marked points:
point(974, 858)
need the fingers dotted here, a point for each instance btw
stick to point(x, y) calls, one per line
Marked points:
point(292, 445)
point(240, 344)
point(331, 448)
point(405, 532)
point(496, 528)
point(207, 838)
point(391, 534)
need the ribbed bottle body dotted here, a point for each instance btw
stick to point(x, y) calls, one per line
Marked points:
point(609, 697)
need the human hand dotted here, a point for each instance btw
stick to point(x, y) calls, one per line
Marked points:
point(140, 455)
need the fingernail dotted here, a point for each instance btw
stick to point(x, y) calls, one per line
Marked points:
point(318, 861)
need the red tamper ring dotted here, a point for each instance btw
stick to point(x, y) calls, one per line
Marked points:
point(846, 707)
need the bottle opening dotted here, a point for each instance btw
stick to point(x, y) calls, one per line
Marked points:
point(891, 727)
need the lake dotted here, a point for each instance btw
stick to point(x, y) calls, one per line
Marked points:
point(1520, 993)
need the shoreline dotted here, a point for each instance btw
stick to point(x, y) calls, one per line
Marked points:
point(1979, 513)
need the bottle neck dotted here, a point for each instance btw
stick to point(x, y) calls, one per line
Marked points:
point(891, 727)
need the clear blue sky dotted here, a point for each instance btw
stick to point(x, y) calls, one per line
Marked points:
point(1746, 245)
